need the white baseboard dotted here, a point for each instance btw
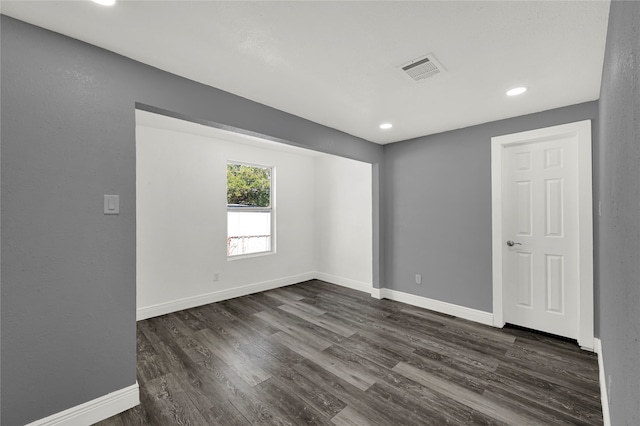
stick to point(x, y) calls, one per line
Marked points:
point(604, 394)
point(95, 410)
point(379, 293)
point(410, 299)
point(344, 282)
point(435, 305)
point(217, 296)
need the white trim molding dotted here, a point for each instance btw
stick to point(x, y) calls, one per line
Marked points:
point(376, 293)
point(581, 130)
point(435, 305)
point(344, 282)
point(217, 296)
point(95, 410)
point(604, 393)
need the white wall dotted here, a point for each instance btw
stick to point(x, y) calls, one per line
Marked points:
point(323, 216)
point(181, 220)
point(344, 221)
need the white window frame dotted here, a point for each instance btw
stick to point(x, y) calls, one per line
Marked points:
point(271, 209)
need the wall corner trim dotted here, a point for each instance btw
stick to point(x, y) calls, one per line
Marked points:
point(376, 293)
point(95, 410)
point(470, 314)
point(604, 395)
point(344, 282)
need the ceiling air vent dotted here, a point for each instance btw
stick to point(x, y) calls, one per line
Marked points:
point(422, 68)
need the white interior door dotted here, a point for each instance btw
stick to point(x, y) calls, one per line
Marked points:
point(540, 190)
point(544, 235)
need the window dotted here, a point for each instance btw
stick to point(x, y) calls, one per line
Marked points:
point(249, 209)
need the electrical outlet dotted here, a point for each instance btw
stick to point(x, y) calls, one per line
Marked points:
point(216, 276)
point(418, 279)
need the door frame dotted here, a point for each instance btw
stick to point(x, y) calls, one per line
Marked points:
point(581, 130)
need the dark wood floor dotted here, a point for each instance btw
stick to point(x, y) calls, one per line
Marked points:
point(315, 353)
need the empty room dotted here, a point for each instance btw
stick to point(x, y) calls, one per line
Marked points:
point(319, 212)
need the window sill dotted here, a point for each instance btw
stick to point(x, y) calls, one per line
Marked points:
point(250, 255)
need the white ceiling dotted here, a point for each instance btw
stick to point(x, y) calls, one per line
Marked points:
point(336, 63)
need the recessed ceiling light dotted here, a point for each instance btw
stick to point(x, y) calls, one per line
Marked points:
point(386, 126)
point(105, 2)
point(516, 91)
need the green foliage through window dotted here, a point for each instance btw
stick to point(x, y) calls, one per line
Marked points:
point(248, 185)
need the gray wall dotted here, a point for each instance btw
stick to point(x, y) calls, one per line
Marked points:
point(437, 207)
point(619, 230)
point(68, 271)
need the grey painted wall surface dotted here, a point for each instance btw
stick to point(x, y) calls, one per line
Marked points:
point(619, 230)
point(437, 207)
point(68, 271)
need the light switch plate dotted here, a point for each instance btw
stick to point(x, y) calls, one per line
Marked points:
point(111, 204)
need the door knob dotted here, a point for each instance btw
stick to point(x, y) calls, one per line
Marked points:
point(512, 243)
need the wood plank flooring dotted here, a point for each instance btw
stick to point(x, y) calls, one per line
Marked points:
point(319, 354)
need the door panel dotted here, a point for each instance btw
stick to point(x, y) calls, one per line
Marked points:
point(555, 214)
point(524, 208)
point(525, 279)
point(555, 284)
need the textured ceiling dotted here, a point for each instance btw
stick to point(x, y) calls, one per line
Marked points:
point(336, 63)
